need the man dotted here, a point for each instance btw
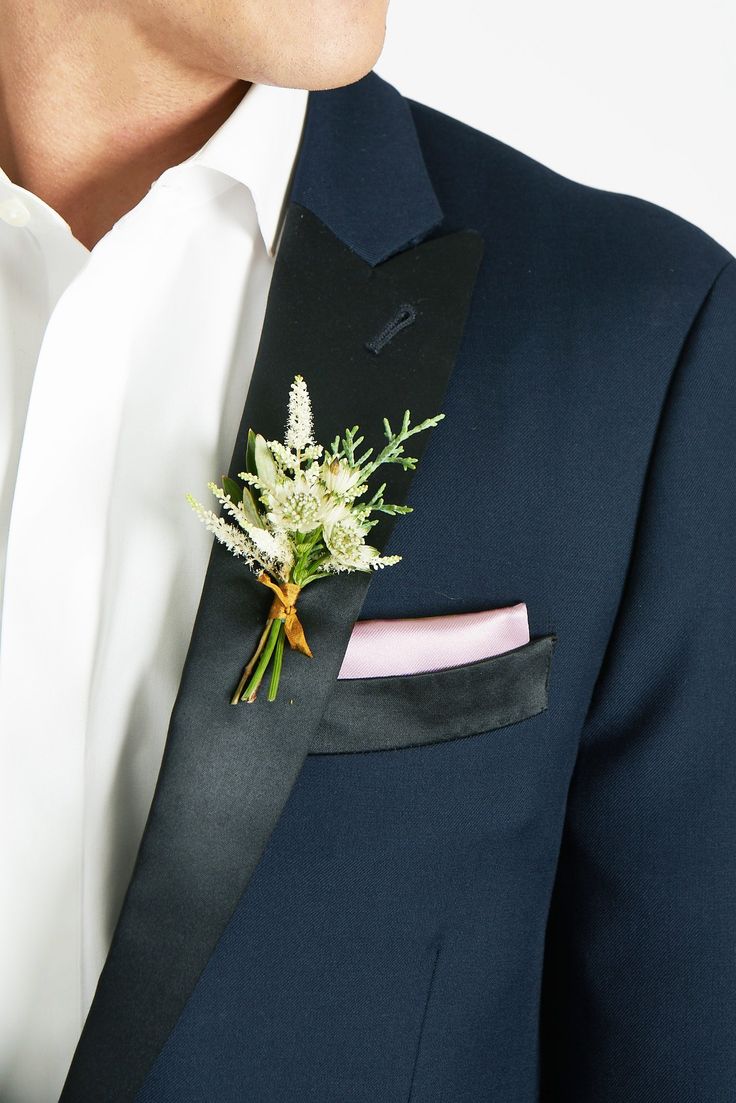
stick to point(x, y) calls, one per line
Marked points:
point(509, 877)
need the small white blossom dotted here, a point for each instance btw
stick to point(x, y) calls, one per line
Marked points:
point(341, 479)
point(312, 452)
point(297, 504)
point(334, 511)
point(345, 539)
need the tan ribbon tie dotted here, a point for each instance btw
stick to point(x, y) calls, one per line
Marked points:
point(283, 607)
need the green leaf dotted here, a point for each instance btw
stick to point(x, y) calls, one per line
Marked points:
point(266, 469)
point(250, 453)
point(250, 509)
point(232, 489)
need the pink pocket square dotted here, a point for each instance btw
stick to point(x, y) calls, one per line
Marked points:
point(378, 648)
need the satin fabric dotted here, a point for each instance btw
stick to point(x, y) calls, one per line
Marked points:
point(380, 648)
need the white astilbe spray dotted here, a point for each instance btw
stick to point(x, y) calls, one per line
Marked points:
point(235, 510)
point(233, 539)
point(271, 550)
point(299, 427)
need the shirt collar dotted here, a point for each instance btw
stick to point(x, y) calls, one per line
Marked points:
point(257, 144)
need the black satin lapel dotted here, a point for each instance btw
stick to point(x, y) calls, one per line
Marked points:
point(228, 769)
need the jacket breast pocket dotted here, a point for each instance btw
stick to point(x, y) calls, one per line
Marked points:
point(401, 711)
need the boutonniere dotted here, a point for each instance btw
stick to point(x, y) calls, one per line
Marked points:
point(300, 520)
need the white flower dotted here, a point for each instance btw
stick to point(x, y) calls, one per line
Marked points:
point(299, 425)
point(334, 511)
point(345, 540)
point(296, 504)
point(341, 479)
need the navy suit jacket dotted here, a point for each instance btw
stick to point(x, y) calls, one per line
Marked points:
point(515, 882)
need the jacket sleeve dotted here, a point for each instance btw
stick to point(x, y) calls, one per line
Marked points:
point(639, 987)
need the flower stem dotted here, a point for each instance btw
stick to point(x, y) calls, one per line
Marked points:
point(249, 693)
point(254, 659)
point(278, 658)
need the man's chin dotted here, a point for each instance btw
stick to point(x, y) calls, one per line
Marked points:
point(331, 63)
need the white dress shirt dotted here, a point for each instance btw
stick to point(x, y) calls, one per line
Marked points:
point(123, 373)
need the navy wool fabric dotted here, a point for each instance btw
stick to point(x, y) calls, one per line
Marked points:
point(545, 911)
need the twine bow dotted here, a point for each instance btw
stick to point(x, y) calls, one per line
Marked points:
point(283, 607)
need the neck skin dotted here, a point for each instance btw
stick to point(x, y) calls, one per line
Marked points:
point(91, 113)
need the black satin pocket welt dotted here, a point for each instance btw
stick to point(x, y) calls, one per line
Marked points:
point(400, 711)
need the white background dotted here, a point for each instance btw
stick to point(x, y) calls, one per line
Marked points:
point(637, 96)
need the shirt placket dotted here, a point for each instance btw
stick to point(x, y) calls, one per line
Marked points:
point(54, 563)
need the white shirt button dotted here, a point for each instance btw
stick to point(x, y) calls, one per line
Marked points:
point(14, 212)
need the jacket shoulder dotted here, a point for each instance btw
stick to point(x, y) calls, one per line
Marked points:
point(531, 210)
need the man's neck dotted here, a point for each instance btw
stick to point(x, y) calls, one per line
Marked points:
point(91, 114)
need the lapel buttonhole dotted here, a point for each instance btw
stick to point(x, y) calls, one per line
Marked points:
point(404, 316)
